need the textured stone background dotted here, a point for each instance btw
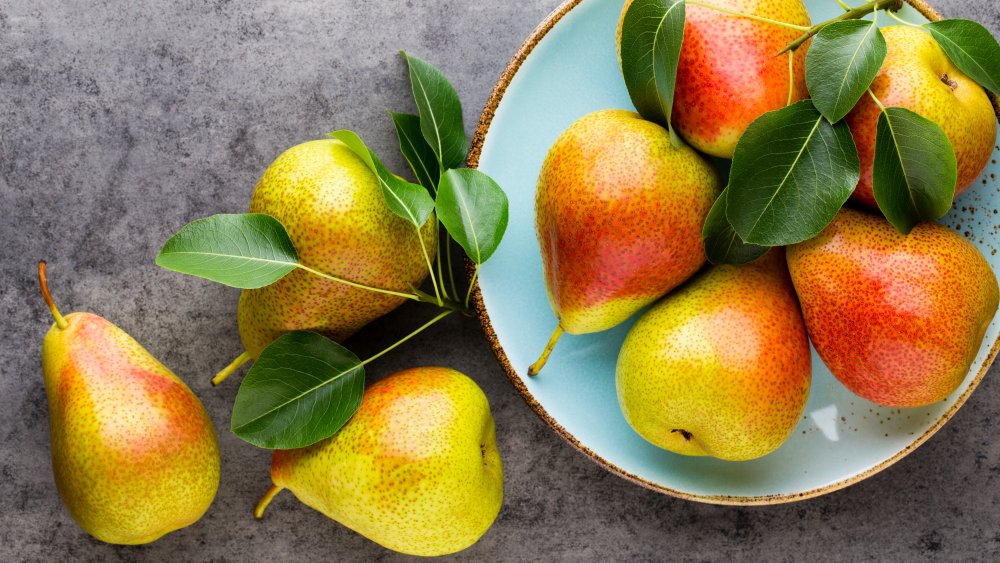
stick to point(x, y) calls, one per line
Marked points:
point(121, 121)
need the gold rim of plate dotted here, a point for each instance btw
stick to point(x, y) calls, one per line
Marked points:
point(482, 130)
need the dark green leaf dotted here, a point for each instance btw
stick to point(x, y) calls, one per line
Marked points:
point(791, 172)
point(722, 244)
point(474, 210)
point(915, 169)
point(246, 251)
point(841, 63)
point(651, 39)
point(409, 201)
point(972, 48)
point(415, 150)
point(440, 113)
point(301, 389)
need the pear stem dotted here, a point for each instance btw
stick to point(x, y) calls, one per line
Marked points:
point(233, 366)
point(258, 511)
point(44, 282)
point(538, 365)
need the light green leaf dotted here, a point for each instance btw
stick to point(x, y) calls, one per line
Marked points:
point(841, 63)
point(473, 209)
point(915, 169)
point(972, 48)
point(415, 150)
point(302, 389)
point(406, 200)
point(440, 113)
point(247, 251)
point(651, 39)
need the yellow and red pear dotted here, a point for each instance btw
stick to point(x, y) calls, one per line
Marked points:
point(416, 469)
point(917, 75)
point(728, 74)
point(720, 367)
point(897, 318)
point(618, 213)
point(333, 208)
point(133, 451)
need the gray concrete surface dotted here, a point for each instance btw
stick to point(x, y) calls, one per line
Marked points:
point(120, 121)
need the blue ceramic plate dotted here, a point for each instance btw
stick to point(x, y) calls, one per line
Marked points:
point(566, 69)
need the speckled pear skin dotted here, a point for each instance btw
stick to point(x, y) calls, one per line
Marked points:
point(416, 469)
point(618, 213)
point(897, 319)
point(335, 213)
point(720, 367)
point(133, 451)
point(912, 77)
point(728, 75)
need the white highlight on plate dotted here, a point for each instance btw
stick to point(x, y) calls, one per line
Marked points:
point(826, 420)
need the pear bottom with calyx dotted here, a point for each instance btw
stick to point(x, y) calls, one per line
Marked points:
point(416, 469)
point(134, 453)
point(721, 366)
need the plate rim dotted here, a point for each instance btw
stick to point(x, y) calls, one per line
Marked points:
point(475, 151)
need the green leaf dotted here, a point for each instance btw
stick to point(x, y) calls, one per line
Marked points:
point(415, 150)
point(473, 209)
point(972, 48)
point(409, 201)
point(301, 390)
point(915, 169)
point(722, 244)
point(652, 35)
point(246, 251)
point(440, 113)
point(791, 172)
point(841, 63)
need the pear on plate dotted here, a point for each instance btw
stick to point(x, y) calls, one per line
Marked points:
point(133, 451)
point(618, 213)
point(333, 208)
point(416, 469)
point(897, 318)
point(721, 366)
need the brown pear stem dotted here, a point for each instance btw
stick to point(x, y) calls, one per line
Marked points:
point(258, 511)
point(44, 282)
point(852, 14)
point(232, 367)
point(540, 363)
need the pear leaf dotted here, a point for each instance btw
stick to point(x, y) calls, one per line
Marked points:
point(406, 200)
point(722, 244)
point(915, 169)
point(474, 210)
point(651, 38)
point(302, 389)
point(239, 250)
point(440, 113)
point(791, 173)
point(415, 150)
point(841, 63)
point(972, 48)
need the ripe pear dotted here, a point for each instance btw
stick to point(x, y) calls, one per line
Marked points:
point(416, 469)
point(720, 367)
point(133, 451)
point(333, 208)
point(898, 319)
point(917, 75)
point(618, 213)
point(728, 74)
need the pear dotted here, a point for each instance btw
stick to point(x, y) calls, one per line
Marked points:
point(416, 469)
point(720, 367)
point(728, 74)
point(917, 75)
point(898, 319)
point(133, 451)
point(333, 208)
point(618, 213)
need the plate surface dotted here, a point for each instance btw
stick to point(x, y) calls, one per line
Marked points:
point(565, 70)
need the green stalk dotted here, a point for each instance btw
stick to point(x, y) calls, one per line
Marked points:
point(852, 14)
point(407, 337)
point(748, 16)
point(324, 275)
